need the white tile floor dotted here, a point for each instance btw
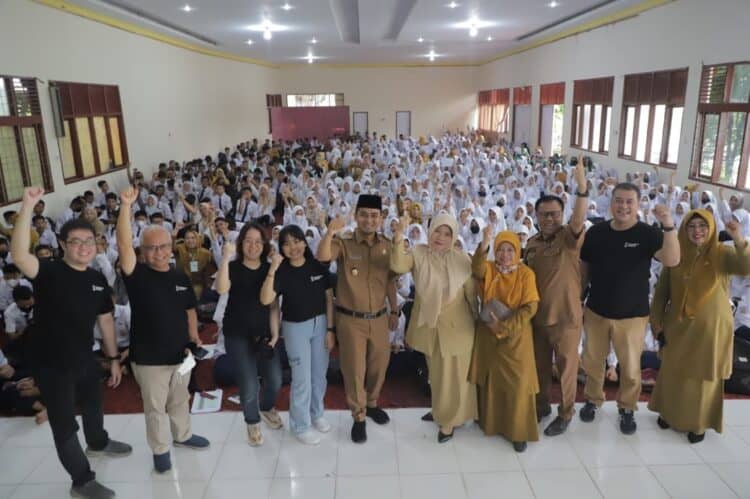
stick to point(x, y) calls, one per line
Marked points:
point(401, 459)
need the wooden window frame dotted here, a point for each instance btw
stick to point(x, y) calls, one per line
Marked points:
point(112, 109)
point(584, 87)
point(18, 123)
point(722, 109)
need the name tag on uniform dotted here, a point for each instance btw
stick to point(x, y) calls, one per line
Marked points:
point(193, 266)
point(355, 257)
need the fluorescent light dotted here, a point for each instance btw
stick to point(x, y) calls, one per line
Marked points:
point(431, 56)
point(420, 39)
point(314, 40)
point(310, 60)
point(452, 5)
point(489, 38)
point(187, 8)
point(267, 35)
point(249, 42)
point(473, 30)
point(553, 4)
point(286, 6)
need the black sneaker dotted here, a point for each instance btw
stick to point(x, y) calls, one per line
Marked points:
point(162, 462)
point(557, 427)
point(428, 417)
point(627, 422)
point(359, 432)
point(92, 490)
point(694, 438)
point(543, 412)
point(112, 449)
point(588, 412)
point(378, 415)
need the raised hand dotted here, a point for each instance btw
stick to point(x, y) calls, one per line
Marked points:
point(336, 224)
point(403, 225)
point(32, 195)
point(734, 229)
point(276, 260)
point(229, 250)
point(129, 195)
point(580, 176)
point(486, 235)
point(662, 214)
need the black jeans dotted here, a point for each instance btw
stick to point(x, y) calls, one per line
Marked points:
point(61, 390)
point(248, 366)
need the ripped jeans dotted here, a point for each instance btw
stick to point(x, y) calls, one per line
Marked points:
point(308, 358)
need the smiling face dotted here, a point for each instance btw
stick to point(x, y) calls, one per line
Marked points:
point(441, 238)
point(293, 248)
point(697, 230)
point(79, 247)
point(625, 206)
point(369, 220)
point(505, 254)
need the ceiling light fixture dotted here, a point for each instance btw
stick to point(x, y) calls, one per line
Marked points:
point(452, 5)
point(431, 56)
point(473, 30)
point(420, 39)
point(489, 38)
point(267, 34)
point(286, 6)
point(553, 4)
point(249, 42)
point(187, 8)
point(314, 40)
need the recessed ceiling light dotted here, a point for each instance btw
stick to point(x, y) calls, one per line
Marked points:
point(452, 5)
point(473, 30)
point(249, 42)
point(431, 56)
point(420, 39)
point(187, 8)
point(314, 40)
point(286, 6)
point(553, 4)
point(267, 35)
point(489, 38)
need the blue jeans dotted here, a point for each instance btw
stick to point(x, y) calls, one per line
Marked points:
point(248, 366)
point(308, 357)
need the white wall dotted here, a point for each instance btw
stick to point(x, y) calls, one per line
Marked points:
point(438, 98)
point(176, 104)
point(685, 33)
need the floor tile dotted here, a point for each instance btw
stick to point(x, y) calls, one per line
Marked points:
point(303, 488)
point(159, 490)
point(17, 463)
point(478, 453)
point(595, 451)
point(368, 487)
point(41, 491)
point(377, 456)
point(50, 470)
point(627, 483)
point(215, 426)
point(562, 484)
point(419, 456)
point(240, 461)
point(449, 486)
point(552, 453)
point(656, 447)
point(498, 484)
point(727, 447)
point(6, 491)
point(737, 412)
point(408, 423)
point(233, 489)
point(300, 460)
point(696, 481)
point(735, 475)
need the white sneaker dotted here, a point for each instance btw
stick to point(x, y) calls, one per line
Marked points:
point(254, 435)
point(308, 438)
point(322, 425)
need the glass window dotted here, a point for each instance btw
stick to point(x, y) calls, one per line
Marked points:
point(586, 124)
point(86, 150)
point(658, 133)
point(557, 128)
point(11, 163)
point(4, 105)
point(640, 147)
point(66, 152)
point(740, 84)
point(675, 127)
point(102, 145)
point(733, 147)
point(577, 131)
point(627, 149)
point(33, 157)
point(23, 100)
point(607, 124)
point(710, 132)
point(597, 127)
point(114, 130)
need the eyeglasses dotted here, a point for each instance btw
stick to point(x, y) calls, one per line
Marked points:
point(75, 242)
point(157, 247)
point(697, 226)
point(549, 214)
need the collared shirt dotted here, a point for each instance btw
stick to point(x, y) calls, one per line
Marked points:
point(557, 267)
point(363, 272)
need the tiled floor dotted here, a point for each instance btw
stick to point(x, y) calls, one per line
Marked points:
point(401, 459)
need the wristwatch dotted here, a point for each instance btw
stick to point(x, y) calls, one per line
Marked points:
point(582, 194)
point(667, 229)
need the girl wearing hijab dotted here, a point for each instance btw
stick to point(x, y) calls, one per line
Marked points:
point(503, 362)
point(496, 220)
point(416, 235)
point(474, 237)
point(691, 309)
point(442, 320)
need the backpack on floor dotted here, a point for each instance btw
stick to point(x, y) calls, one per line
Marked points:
point(739, 381)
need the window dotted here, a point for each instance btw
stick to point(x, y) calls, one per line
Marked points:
point(94, 141)
point(652, 108)
point(722, 138)
point(551, 111)
point(23, 154)
point(272, 100)
point(493, 110)
point(314, 100)
point(592, 114)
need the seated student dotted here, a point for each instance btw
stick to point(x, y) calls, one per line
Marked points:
point(195, 261)
point(19, 393)
point(44, 252)
point(122, 336)
point(157, 218)
point(5, 258)
point(46, 236)
point(11, 278)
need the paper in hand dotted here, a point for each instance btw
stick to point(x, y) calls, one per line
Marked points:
point(187, 365)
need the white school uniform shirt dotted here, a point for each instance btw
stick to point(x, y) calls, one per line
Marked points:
point(6, 292)
point(742, 314)
point(122, 327)
point(244, 211)
point(203, 192)
point(222, 203)
point(217, 245)
point(49, 238)
point(16, 320)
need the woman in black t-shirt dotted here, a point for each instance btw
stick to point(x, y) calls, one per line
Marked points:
point(307, 318)
point(251, 329)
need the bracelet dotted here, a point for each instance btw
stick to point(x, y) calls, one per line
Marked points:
point(582, 194)
point(331, 329)
point(667, 229)
point(116, 357)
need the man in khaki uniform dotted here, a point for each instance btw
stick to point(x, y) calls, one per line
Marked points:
point(553, 254)
point(362, 319)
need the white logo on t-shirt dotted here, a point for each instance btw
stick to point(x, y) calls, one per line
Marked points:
point(314, 278)
point(96, 288)
point(632, 245)
point(180, 288)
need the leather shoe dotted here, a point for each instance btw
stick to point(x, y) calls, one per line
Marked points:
point(662, 423)
point(442, 437)
point(428, 417)
point(519, 446)
point(359, 432)
point(377, 414)
point(557, 427)
point(587, 412)
point(694, 438)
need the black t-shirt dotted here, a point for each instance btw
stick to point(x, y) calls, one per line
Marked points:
point(619, 265)
point(245, 315)
point(303, 290)
point(158, 325)
point(67, 303)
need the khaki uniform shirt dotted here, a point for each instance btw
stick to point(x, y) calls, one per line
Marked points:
point(556, 263)
point(363, 272)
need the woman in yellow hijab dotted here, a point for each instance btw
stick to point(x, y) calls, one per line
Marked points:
point(691, 310)
point(503, 362)
point(442, 320)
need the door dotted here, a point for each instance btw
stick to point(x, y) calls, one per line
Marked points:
point(360, 123)
point(403, 123)
point(522, 124)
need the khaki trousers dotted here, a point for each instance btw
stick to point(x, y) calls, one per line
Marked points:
point(627, 337)
point(364, 352)
point(166, 405)
point(563, 340)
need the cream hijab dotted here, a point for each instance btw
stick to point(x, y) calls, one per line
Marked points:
point(439, 276)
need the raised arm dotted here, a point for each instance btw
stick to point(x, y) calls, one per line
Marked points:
point(125, 231)
point(478, 267)
point(737, 261)
point(19, 243)
point(401, 261)
point(223, 284)
point(267, 292)
point(327, 251)
point(669, 254)
point(581, 207)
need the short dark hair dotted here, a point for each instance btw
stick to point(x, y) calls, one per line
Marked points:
point(41, 247)
point(11, 268)
point(101, 183)
point(297, 233)
point(75, 224)
point(37, 217)
point(22, 293)
point(627, 186)
point(548, 198)
point(140, 213)
point(110, 195)
point(263, 237)
point(155, 215)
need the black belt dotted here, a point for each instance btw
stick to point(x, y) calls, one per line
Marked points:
point(362, 315)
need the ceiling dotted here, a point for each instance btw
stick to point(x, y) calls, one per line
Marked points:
point(359, 31)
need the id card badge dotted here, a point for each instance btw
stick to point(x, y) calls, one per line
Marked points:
point(193, 265)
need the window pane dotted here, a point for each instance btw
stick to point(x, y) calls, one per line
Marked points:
point(740, 83)
point(102, 146)
point(23, 101)
point(557, 128)
point(33, 156)
point(627, 148)
point(11, 164)
point(586, 122)
point(658, 133)
point(86, 150)
point(710, 131)
point(4, 106)
point(597, 127)
point(733, 146)
point(114, 129)
point(66, 152)
point(291, 100)
point(640, 147)
point(675, 126)
point(607, 124)
point(577, 141)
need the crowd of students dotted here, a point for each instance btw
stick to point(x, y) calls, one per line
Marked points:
point(499, 264)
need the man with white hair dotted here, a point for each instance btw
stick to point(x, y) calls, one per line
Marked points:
point(163, 323)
